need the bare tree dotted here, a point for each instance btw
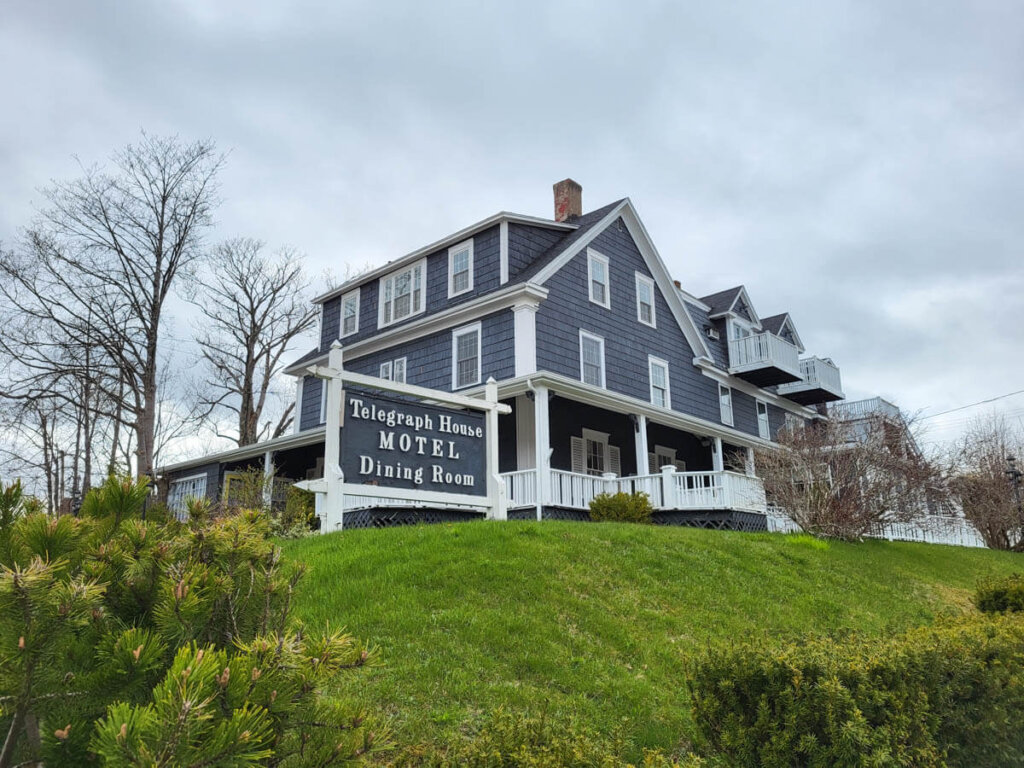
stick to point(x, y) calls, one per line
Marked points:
point(844, 479)
point(102, 259)
point(981, 482)
point(255, 306)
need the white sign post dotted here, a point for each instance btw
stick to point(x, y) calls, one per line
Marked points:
point(333, 486)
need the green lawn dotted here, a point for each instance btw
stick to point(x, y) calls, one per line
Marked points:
point(595, 620)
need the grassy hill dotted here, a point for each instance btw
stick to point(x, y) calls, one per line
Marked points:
point(595, 621)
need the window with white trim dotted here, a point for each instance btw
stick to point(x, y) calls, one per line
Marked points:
point(591, 359)
point(466, 356)
point(183, 489)
point(393, 370)
point(597, 278)
point(591, 454)
point(764, 429)
point(658, 372)
point(460, 268)
point(725, 404)
point(323, 401)
point(350, 313)
point(402, 293)
point(645, 299)
point(662, 457)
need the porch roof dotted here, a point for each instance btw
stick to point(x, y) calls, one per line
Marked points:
point(284, 442)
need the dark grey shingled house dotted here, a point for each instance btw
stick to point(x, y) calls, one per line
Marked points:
point(617, 377)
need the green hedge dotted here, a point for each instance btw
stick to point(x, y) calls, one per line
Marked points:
point(1000, 595)
point(621, 508)
point(948, 695)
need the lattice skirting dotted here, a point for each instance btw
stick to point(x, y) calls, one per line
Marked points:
point(718, 520)
point(524, 513)
point(389, 517)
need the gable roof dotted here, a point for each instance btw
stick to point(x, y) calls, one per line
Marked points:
point(732, 300)
point(585, 225)
point(597, 222)
point(776, 323)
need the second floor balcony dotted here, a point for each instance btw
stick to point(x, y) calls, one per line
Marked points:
point(821, 383)
point(764, 359)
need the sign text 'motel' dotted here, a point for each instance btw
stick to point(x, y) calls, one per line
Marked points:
point(403, 444)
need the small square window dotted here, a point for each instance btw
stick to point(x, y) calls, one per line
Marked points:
point(398, 370)
point(385, 370)
point(597, 276)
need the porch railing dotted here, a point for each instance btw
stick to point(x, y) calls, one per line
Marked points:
point(666, 490)
point(761, 350)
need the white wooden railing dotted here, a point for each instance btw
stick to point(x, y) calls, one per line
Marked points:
point(763, 349)
point(860, 409)
point(817, 373)
point(667, 489)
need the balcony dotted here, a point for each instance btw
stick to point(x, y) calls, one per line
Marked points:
point(821, 383)
point(764, 359)
point(874, 407)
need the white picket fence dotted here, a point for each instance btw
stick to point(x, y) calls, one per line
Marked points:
point(931, 529)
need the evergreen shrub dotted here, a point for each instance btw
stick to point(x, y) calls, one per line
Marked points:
point(621, 507)
point(950, 695)
point(1000, 595)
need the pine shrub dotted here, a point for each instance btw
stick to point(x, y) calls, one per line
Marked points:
point(621, 508)
point(1000, 595)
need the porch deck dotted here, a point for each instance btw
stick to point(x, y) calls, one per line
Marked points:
point(667, 490)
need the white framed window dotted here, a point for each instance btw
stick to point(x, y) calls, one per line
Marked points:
point(591, 359)
point(740, 330)
point(661, 457)
point(323, 401)
point(460, 268)
point(764, 429)
point(466, 356)
point(592, 455)
point(350, 313)
point(645, 300)
point(725, 403)
point(597, 278)
point(191, 487)
point(401, 294)
point(393, 370)
point(658, 371)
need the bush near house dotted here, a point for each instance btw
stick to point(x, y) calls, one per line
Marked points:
point(621, 508)
point(1000, 595)
point(129, 643)
point(949, 695)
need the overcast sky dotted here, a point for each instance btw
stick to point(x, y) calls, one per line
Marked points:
point(860, 165)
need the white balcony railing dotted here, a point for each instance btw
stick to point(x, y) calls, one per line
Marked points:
point(666, 490)
point(862, 409)
point(763, 350)
point(817, 374)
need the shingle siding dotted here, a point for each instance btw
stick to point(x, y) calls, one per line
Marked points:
point(720, 347)
point(429, 359)
point(330, 322)
point(309, 417)
point(526, 243)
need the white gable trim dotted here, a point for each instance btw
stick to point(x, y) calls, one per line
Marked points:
point(754, 317)
point(787, 320)
point(650, 255)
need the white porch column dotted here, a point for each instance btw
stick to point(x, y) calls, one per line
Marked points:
point(526, 444)
point(524, 326)
point(268, 478)
point(298, 403)
point(495, 484)
point(716, 455)
point(640, 434)
point(333, 506)
point(542, 433)
point(749, 463)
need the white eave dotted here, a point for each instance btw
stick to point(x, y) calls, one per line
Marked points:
point(462, 234)
point(297, 440)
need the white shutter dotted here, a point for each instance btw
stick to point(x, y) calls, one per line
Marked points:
point(614, 465)
point(579, 463)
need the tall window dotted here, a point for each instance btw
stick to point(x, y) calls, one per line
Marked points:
point(460, 268)
point(466, 356)
point(402, 293)
point(597, 273)
point(644, 299)
point(725, 403)
point(592, 454)
point(350, 313)
point(763, 427)
point(658, 370)
point(591, 359)
point(323, 401)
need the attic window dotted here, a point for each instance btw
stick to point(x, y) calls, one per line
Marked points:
point(350, 313)
point(402, 293)
point(645, 299)
point(460, 268)
point(597, 274)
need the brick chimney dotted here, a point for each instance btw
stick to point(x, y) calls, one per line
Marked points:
point(568, 200)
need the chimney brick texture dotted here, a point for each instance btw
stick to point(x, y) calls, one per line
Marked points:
point(568, 200)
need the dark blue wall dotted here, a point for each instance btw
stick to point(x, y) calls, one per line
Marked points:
point(309, 417)
point(526, 243)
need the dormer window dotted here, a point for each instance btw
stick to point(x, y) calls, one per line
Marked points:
point(350, 313)
point(401, 293)
point(597, 274)
point(460, 268)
